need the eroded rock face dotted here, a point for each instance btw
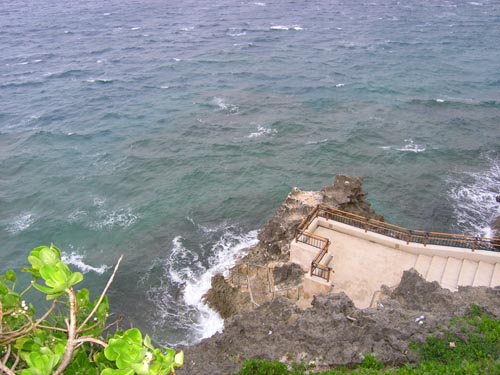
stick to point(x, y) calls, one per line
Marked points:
point(274, 242)
point(334, 332)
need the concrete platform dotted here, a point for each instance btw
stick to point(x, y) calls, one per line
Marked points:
point(363, 261)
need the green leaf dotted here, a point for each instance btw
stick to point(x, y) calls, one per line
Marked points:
point(110, 371)
point(10, 275)
point(75, 278)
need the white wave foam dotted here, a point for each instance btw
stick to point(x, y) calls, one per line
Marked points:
point(135, 28)
point(340, 85)
point(474, 196)
point(98, 201)
point(411, 146)
point(475, 3)
point(260, 4)
point(317, 142)
point(106, 14)
point(99, 80)
point(440, 100)
point(281, 27)
point(236, 32)
point(77, 260)
point(187, 29)
point(261, 131)
point(223, 258)
point(220, 102)
point(122, 217)
point(185, 268)
point(21, 223)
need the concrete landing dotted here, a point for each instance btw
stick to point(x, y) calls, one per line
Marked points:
point(363, 261)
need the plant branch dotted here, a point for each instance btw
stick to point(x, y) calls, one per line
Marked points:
point(7, 355)
point(70, 345)
point(81, 340)
point(6, 370)
point(102, 294)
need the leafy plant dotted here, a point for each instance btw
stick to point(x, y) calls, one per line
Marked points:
point(68, 337)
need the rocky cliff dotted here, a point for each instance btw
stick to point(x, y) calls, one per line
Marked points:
point(266, 263)
point(329, 331)
point(334, 332)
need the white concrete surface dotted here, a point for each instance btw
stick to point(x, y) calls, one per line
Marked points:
point(363, 261)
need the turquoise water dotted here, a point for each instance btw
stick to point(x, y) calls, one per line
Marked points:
point(171, 132)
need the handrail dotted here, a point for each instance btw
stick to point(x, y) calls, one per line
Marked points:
point(322, 243)
point(398, 232)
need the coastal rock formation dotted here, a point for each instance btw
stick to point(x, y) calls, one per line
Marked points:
point(334, 332)
point(273, 248)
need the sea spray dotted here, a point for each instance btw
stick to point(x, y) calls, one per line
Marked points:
point(187, 278)
point(474, 199)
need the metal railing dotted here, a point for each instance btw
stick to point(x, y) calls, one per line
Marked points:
point(401, 233)
point(319, 242)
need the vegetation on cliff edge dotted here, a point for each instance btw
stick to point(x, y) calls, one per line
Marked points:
point(470, 345)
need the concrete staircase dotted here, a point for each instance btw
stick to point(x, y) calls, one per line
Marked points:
point(452, 272)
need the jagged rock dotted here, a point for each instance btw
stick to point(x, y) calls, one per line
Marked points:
point(334, 332)
point(274, 240)
point(223, 297)
point(288, 275)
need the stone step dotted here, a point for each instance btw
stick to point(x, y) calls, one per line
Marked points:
point(495, 278)
point(467, 273)
point(422, 264)
point(451, 273)
point(436, 269)
point(483, 274)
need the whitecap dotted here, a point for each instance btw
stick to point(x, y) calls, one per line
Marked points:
point(262, 131)
point(281, 27)
point(123, 217)
point(317, 142)
point(77, 260)
point(475, 3)
point(225, 253)
point(106, 14)
point(187, 29)
point(221, 103)
point(340, 85)
point(440, 100)
point(176, 59)
point(260, 4)
point(474, 196)
point(77, 216)
point(135, 28)
point(236, 32)
point(98, 201)
point(164, 87)
point(21, 223)
point(411, 146)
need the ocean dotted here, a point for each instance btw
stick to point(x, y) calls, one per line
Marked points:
point(171, 131)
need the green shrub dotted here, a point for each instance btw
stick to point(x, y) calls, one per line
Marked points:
point(262, 367)
point(68, 337)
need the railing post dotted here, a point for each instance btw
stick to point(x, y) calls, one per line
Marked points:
point(408, 238)
point(474, 244)
point(366, 224)
point(426, 238)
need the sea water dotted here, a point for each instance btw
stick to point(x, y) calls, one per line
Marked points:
point(171, 131)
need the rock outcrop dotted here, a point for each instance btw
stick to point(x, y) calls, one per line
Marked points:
point(272, 251)
point(334, 332)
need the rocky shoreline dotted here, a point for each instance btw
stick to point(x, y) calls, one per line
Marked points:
point(266, 316)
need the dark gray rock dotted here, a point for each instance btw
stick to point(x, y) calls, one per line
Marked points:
point(334, 332)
